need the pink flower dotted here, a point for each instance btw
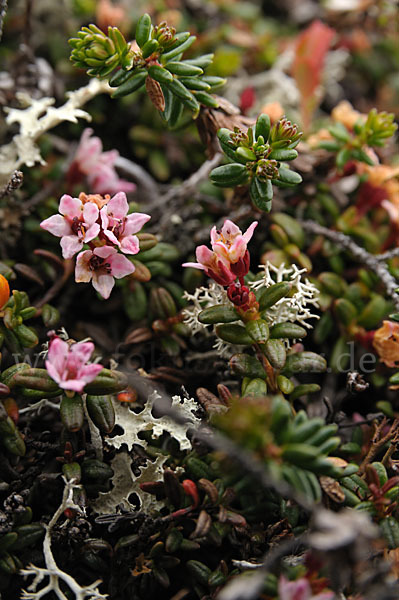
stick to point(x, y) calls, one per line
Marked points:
point(100, 266)
point(229, 257)
point(119, 227)
point(98, 166)
point(75, 225)
point(67, 364)
point(214, 266)
point(230, 243)
point(299, 590)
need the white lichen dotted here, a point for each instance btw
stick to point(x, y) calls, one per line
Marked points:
point(125, 483)
point(134, 423)
point(296, 308)
point(203, 297)
point(37, 117)
point(55, 575)
point(212, 295)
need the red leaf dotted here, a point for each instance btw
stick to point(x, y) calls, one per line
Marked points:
point(310, 51)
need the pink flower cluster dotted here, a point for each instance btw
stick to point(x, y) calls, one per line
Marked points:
point(105, 225)
point(67, 365)
point(97, 166)
point(229, 257)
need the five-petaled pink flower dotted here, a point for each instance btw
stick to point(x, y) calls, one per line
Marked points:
point(230, 243)
point(67, 365)
point(119, 227)
point(229, 257)
point(299, 590)
point(98, 166)
point(100, 266)
point(75, 225)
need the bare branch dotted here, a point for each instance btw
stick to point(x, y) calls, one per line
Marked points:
point(374, 262)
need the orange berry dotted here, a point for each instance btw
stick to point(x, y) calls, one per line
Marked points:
point(129, 395)
point(4, 291)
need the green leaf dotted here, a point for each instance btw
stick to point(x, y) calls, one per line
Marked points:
point(339, 131)
point(285, 384)
point(143, 29)
point(184, 69)
point(330, 146)
point(274, 351)
point(345, 310)
point(281, 154)
point(120, 77)
point(291, 227)
point(288, 330)
point(333, 283)
point(160, 74)
point(273, 294)
point(179, 90)
point(305, 362)
point(289, 177)
point(226, 144)
point(234, 334)
point(254, 387)
point(262, 127)
point(373, 312)
point(167, 56)
point(261, 193)
point(131, 85)
point(149, 48)
point(245, 154)
point(258, 330)
point(247, 366)
point(303, 390)
point(229, 175)
point(212, 315)
point(195, 83)
point(343, 156)
point(206, 99)
point(214, 82)
point(202, 61)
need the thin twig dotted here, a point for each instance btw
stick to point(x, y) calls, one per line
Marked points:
point(58, 285)
point(139, 175)
point(189, 187)
point(378, 441)
point(374, 262)
point(394, 253)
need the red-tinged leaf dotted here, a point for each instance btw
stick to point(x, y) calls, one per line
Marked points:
point(247, 99)
point(310, 51)
point(390, 484)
